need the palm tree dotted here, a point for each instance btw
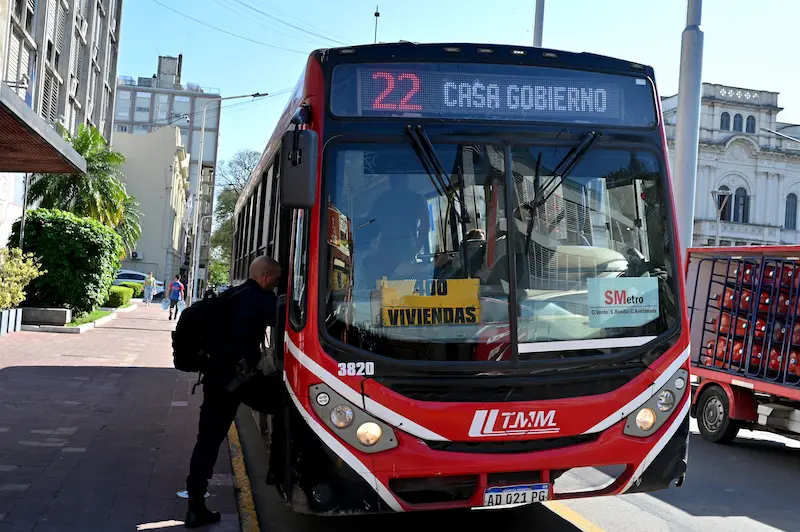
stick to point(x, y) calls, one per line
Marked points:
point(98, 194)
point(128, 227)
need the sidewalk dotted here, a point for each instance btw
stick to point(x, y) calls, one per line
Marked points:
point(96, 431)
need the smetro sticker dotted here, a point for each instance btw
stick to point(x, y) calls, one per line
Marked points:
point(622, 301)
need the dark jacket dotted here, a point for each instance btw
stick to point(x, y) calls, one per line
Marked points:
point(254, 309)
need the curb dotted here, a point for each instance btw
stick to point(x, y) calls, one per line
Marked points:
point(244, 495)
point(80, 329)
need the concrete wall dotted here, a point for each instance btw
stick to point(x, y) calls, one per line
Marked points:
point(11, 190)
point(157, 174)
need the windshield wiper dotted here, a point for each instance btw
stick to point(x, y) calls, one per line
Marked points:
point(435, 169)
point(561, 171)
point(566, 165)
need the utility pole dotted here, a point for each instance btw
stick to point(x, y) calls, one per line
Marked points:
point(377, 14)
point(538, 24)
point(687, 131)
point(26, 182)
point(191, 288)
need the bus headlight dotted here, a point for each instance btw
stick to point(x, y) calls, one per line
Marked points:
point(651, 415)
point(645, 419)
point(666, 400)
point(350, 422)
point(341, 416)
point(368, 434)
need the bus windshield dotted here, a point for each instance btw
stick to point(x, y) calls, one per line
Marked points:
point(419, 261)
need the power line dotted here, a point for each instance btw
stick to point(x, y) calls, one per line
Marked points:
point(305, 22)
point(248, 17)
point(228, 32)
point(298, 28)
point(281, 92)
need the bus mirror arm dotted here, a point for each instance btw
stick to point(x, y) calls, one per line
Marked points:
point(298, 170)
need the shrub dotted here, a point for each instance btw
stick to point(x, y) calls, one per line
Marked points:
point(81, 257)
point(17, 269)
point(138, 288)
point(118, 296)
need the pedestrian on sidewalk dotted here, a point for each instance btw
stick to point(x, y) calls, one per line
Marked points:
point(149, 289)
point(175, 295)
point(235, 378)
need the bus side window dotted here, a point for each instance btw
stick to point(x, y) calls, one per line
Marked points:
point(299, 255)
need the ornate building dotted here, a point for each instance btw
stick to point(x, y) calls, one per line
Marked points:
point(748, 176)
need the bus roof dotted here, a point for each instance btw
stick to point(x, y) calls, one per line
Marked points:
point(405, 51)
point(476, 52)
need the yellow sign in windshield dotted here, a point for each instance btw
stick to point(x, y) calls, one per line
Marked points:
point(430, 302)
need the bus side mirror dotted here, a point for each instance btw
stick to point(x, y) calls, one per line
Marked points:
point(298, 169)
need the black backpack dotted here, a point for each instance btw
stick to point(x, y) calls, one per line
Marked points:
point(202, 331)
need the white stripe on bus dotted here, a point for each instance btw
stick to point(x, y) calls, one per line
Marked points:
point(367, 403)
point(342, 452)
point(642, 398)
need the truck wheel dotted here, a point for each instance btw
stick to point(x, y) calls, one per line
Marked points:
point(713, 418)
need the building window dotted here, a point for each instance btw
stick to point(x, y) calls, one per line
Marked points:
point(791, 212)
point(725, 243)
point(725, 122)
point(724, 201)
point(741, 210)
point(122, 128)
point(751, 124)
point(740, 243)
point(737, 122)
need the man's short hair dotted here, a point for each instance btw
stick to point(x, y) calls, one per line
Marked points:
point(264, 265)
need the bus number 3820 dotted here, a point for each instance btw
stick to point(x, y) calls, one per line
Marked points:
point(356, 369)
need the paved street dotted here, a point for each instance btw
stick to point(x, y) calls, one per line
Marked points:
point(96, 430)
point(749, 486)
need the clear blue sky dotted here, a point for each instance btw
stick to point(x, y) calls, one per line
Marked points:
point(749, 44)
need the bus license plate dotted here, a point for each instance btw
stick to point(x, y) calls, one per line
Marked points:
point(506, 496)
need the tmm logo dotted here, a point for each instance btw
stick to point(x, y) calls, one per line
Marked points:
point(487, 423)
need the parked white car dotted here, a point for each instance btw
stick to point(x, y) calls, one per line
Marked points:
point(132, 276)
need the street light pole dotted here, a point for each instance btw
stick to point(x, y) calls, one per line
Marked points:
point(687, 131)
point(720, 208)
point(195, 263)
point(538, 24)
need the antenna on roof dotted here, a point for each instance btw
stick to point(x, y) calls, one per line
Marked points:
point(377, 14)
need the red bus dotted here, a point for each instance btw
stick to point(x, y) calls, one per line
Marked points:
point(483, 291)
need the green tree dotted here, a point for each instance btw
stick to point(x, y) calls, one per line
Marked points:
point(17, 269)
point(222, 237)
point(98, 194)
point(218, 273)
point(81, 257)
point(234, 173)
point(232, 177)
point(128, 227)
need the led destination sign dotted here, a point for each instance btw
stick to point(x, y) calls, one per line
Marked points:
point(491, 92)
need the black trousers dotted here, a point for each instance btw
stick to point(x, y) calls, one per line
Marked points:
point(261, 393)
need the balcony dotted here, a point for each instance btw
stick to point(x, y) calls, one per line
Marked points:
point(705, 231)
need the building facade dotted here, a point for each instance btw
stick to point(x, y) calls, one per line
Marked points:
point(58, 63)
point(748, 176)
point(157, 174)
point(62, 59)
point(148, 103)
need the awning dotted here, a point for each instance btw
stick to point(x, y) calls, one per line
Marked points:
point(29, 144)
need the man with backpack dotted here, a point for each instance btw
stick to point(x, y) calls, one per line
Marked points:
point(221, 337)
